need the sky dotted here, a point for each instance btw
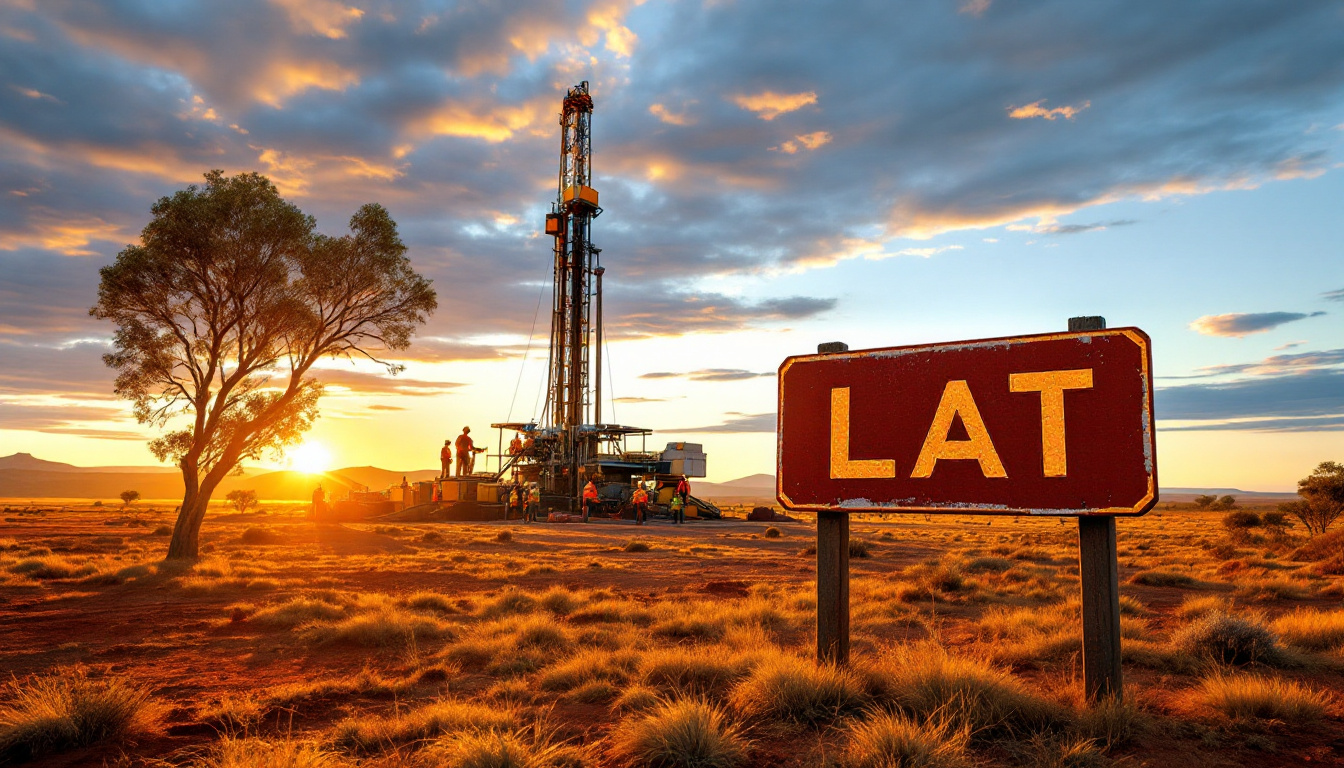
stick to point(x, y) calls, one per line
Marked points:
point(773, 175)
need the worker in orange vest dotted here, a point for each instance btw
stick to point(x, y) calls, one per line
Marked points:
point(683, 492)
point(640, 498)
point(446, 458)
point(589, 498)
point(516, 445)
point(466, 453)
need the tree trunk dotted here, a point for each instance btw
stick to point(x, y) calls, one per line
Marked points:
point(186, 541)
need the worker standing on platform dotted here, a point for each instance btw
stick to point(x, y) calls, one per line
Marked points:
point(683, 493)
point(466, 453)
point(446, 459)
point(589, 498)
point(640, 498)
point(516, 445)
point(533, 503)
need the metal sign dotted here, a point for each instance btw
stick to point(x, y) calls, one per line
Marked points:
point(1053, 424)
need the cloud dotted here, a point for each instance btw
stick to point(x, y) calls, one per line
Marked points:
point(668, 116)
point(974, 7)
point(1289, 345)
point(1077, 229)
point(1305, 424)
point(739, 423)
point(381, 407)
point(655, 313)
point(640, 399)
point(1035, 109)
point(1334, 295)
point(380, 384)
point(66, 419)
point(808, 141)
point(710, 374)
point(1310, 393)
point(768, 104)
point(1245, 324)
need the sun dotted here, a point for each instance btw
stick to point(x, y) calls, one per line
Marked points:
point(310, 458)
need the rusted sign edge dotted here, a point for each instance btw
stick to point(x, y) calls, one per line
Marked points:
point(1140, 507)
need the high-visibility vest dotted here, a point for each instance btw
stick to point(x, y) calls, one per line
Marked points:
point(590, 491)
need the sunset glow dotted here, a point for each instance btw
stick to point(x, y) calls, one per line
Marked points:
point(310, 458)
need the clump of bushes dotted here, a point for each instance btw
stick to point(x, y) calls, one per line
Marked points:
point(792, 689)
point(1245, 697)
point(70, 709)
point(681, 732)
point(504, 537)
point(860, 548)
point(636, 546)
point(256, 535)
point(1228, 639)
point(772, 533)
point(1241, 520)
point(891, 740)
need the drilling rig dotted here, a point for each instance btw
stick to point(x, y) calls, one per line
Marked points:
point(570, 444)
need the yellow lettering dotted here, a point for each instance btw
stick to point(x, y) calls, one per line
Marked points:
point(957, 401)
point(843, 467)
point(1051, 385)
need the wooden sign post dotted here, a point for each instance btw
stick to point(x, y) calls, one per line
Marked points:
point(1099, 574)
point(833, 571)
point(1048, 425)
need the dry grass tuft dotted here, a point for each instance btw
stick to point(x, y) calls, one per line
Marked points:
point(1194, 607)
point(1227, 639)
point(889, 740)
point(1162, 579)
point(371, 734)
point(789, 688)
point(704, 670)
point(504, 749)
point(683, 733)
point(926, 682)
point(260, 753)
point(68, 709)
point(636, 546)
point(1312, 630)
point(773, 533)
point(386, 627)
point(1244, 697)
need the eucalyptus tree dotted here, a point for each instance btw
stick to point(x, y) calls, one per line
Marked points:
point(222, 311)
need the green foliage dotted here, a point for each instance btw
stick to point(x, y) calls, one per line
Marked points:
point(225, 306)
point(241, 500)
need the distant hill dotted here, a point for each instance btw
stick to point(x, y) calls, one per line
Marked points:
point(763, 486)
point(23, 475)
point(378, 479)
point(30, 462)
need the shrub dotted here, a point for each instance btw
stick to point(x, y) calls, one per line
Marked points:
point(1241, 520)
point(889, 740)
point(241, 500)
point(789, 688)
point(502, 749)
point(684, 733)
point(382, 628)
point(859, 548)
point(259, 753)
point(50, 567)
point(257, 535)
point(1162, 579)
point(510, 601)
point(1229, 639)
point(1193, 607)
point(1329, 546)
point(504, 537)
point(772, 533)
point(540, 632)
point(70, 709)
point(926, 682)
point(637, 698)
point(1313, 630)
point(699, 671)
point(1253, 696)
point(636, 546)
point(162, 530)
point(371, 733)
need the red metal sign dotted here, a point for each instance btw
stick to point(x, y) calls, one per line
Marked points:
point(1055, 424)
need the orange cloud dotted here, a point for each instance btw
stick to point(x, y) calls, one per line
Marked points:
point(808, 141)
point(69, 236)
point(320, 17)
point(493, 123)
point(288, 78)
point(1035, 109)
point(667, 116)
point(768, 105)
